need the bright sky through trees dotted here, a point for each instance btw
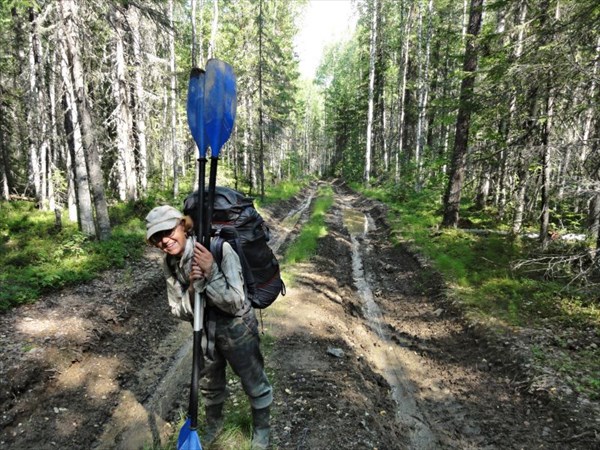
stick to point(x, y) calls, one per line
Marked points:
point(323, 22)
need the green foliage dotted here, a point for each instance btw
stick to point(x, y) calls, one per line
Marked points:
point(37, 257)
point(280, 192)
point(304, 247)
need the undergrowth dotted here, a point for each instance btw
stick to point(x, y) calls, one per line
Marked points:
point(37, 255)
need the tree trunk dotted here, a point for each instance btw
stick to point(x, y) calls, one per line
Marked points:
point(33, 112)
point(372, 52)
point(54, 154)
point(212, 46)
point(40, 130)
point(122, 115)
point(505, 174)
point(261, 150)
point(461, 139)
point(546, 130)
point(546, 170)
point(483, 191)
point(76, 166)
point(194, 49)
point(6, 176)
point(593, 225)
point(173, 102)
point(139, 111)
point(68, 10)
point(423, 82)
point(402, 88)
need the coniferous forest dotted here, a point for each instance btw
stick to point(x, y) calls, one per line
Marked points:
point(488, 110)
point(492, 101)
point(495, 102)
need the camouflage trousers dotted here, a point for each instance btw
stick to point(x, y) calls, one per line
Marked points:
point(237, 342)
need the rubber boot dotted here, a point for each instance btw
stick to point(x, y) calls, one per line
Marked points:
point(261, 428)
point(214, 423)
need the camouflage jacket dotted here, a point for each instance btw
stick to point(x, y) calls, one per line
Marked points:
point(224, 290)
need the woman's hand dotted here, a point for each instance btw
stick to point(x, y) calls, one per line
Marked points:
point(201, 263)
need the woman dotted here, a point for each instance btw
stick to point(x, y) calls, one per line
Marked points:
point(232, 335)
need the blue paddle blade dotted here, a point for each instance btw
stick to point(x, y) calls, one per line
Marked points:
point(220, 104)
point(195, 109)
point(188, 439)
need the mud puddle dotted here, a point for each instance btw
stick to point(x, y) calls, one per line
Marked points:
point(385, 354)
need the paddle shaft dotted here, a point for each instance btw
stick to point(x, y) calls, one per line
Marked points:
point(197, 359)
point(212, 182)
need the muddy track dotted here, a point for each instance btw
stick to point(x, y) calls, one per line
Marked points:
point(368, 353)
point(371, 354)
point(103, 365)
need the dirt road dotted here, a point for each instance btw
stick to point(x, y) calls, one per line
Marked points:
point(368, 354)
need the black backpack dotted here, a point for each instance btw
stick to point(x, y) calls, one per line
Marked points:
point(236, 221)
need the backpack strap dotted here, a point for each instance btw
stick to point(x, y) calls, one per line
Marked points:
point(216, 248)
point(230, 234)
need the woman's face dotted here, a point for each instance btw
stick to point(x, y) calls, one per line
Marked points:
point(172, 241)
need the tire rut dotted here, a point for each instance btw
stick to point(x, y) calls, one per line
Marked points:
point(411, 373)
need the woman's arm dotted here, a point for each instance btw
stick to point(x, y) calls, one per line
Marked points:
point(225, 286)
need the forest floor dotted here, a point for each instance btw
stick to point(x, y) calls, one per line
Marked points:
point(367, 353)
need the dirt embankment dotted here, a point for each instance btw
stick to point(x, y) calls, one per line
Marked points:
point(368, 354)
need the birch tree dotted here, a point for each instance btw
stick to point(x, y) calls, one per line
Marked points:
point(370, 114)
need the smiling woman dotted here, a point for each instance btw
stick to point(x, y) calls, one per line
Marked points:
point(167, 229)
point(229, 329)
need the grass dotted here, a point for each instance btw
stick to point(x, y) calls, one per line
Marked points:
point(37, 256)
point(478, 272)
point(305, 245)
point(280, 192)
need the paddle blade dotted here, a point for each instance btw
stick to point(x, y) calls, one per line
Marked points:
point(195, 108)
point(220, 104)
point(188, 439)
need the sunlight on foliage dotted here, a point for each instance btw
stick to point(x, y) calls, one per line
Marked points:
point(281, 191)
point(37, 256)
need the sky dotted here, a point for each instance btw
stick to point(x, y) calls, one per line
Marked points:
point(323, 22)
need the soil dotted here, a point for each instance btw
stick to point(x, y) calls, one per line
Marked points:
point(368, 353)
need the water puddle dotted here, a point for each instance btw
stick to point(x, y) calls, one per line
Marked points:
point(358, 225)
point(384, 354)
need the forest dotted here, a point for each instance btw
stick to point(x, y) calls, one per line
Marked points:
point(489, 109)
point(495, 102)
point(475, 122)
